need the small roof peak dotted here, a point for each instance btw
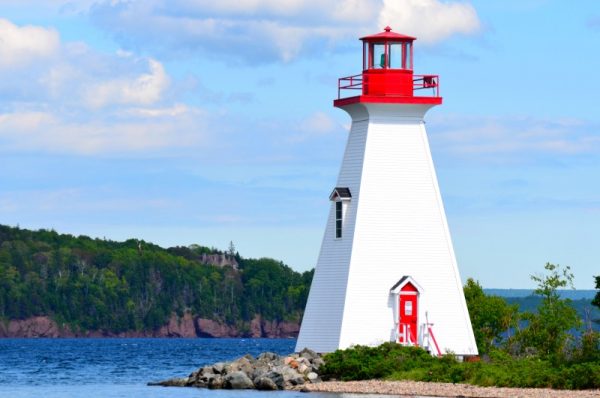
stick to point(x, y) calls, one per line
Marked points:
point(387, 34)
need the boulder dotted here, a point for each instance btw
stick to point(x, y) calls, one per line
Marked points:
point(291, 377)
point(175, 382)
point(313, 377)
point(277, 379)
point(308, 354)
point(243, 364)
point(215, 383)
point(317, 363)
point(218, 368)
point(266, 384)
point(303, 368)
point(237, 380)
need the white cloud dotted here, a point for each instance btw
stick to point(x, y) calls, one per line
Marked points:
point(175, 110)
point(315, 125)
point(168, 129)
point(431, 21)
point(23, 45)
point(145, 89)
point(520, 139)
point(319, 123)
point(261, 31)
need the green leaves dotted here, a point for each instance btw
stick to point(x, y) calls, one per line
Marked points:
point(596, 300)
point(490, 316)
point(547, 331)
point(95, 284)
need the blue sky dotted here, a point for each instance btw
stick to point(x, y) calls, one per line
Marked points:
point(206, 122)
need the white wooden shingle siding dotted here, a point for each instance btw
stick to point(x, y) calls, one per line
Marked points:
point(394, 226)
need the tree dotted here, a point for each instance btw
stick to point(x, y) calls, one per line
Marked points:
point(231, 250)
point(490, 316)
point(596, 300)
point(547, 331)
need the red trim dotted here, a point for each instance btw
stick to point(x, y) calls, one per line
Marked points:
point(387, 34)
point(371, 99)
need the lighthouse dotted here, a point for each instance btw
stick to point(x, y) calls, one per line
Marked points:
point(387, 269)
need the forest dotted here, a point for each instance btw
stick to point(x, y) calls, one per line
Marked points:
point(98, 284)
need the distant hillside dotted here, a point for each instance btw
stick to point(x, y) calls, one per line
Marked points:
point(82, 286)
point(564, 293)
point(581, 301)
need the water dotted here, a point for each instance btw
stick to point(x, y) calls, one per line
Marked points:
point(120, 368)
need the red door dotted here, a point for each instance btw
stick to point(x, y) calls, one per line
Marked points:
point(408, 315)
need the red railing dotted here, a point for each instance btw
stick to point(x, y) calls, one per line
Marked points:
point(432, 82)
point(420, 82)
point(349, 83)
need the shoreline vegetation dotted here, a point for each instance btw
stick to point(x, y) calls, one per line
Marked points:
point(548, 348)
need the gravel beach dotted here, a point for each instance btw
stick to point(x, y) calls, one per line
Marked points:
point(414, 388)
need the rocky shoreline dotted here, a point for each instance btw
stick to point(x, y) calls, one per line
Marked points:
point(299, 372)
point(186, 326)
point(268, 371)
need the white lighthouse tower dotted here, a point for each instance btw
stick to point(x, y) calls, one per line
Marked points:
point(387, 270)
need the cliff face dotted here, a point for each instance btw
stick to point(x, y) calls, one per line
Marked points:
point(186, 326)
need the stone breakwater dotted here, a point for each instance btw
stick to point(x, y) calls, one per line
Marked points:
point(268, 371)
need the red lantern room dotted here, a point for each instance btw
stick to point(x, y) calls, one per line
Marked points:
point(387, 75)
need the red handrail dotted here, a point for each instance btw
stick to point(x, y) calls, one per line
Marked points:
point(434, 341)
point(349, 83)
point(427, 81)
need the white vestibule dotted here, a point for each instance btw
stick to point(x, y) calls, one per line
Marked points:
point(393, 226)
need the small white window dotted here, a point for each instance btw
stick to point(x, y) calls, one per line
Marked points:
point(408, 308)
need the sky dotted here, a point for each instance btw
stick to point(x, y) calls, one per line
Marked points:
point(195, 121)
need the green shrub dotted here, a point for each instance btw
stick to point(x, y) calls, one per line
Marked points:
point(395, 362)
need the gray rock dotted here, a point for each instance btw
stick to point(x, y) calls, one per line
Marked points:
point(175, 382)
point(308, 354)
point(317, 363)
point(313, 377)
point(291, 377)
point(266, 384)
point(215, 383)
point(268, 356)
point(237, 380)
point(259, 371)
point(303, 368)
point(243, 364)
point(218, 368)
point(277, 378)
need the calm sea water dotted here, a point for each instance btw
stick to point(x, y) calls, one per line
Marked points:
point(89, 368)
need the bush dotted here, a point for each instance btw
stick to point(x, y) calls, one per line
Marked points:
point(395, 362)
point(362, 362)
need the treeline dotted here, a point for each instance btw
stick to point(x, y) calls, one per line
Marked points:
point(97, 284)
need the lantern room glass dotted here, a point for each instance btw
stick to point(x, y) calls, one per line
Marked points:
point(387, 55)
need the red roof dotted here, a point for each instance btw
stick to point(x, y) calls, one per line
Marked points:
point(387, 34)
